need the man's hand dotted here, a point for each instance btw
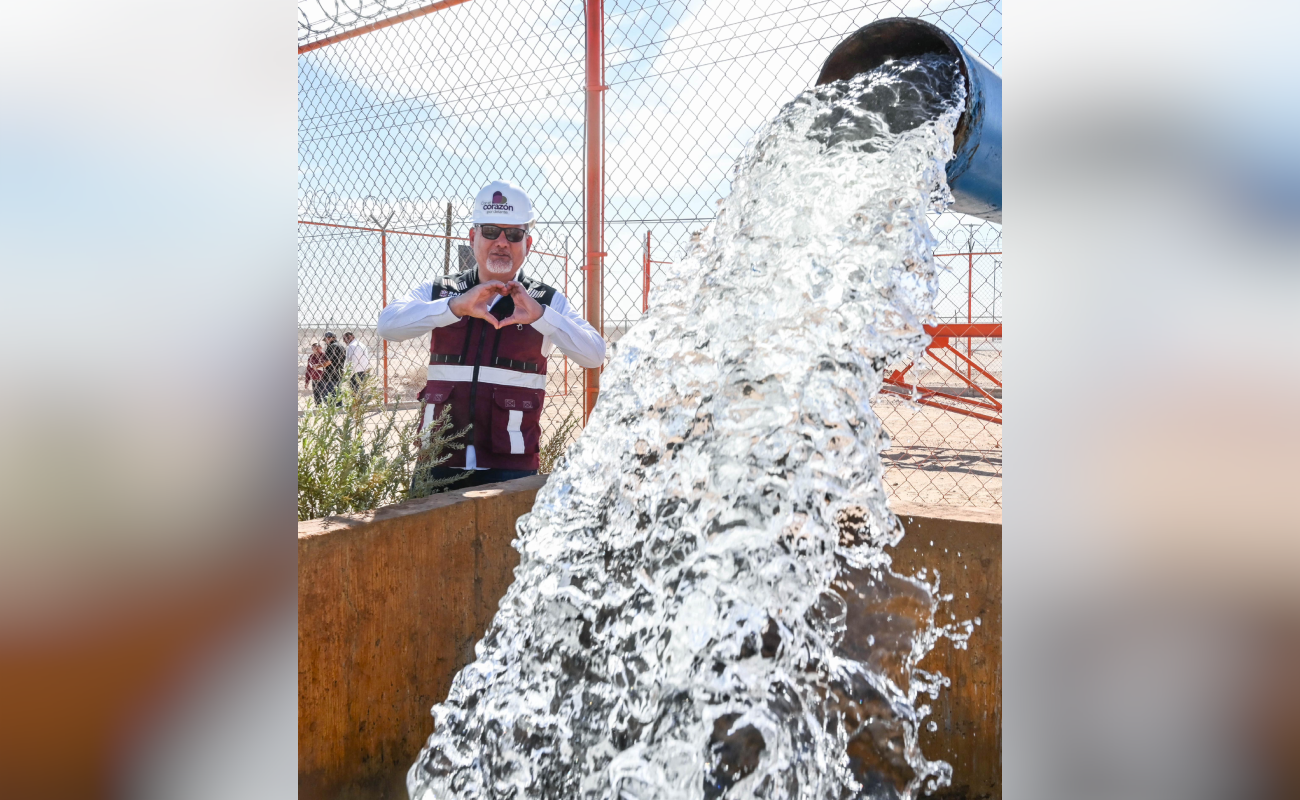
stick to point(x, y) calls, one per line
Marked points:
point(474, 303)
point(527, 310)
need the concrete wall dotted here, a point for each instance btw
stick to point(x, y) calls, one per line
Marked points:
point(390, 605)
point(965, 546)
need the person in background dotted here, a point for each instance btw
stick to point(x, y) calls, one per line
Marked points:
point(316, 363)
point(335, 357)
point(358, 363)
point(493, 329)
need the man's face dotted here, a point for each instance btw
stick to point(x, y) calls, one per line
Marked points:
point(497, 258)
point(315, 348)
point(347, 338)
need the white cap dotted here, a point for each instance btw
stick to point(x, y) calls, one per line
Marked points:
point(502, 203)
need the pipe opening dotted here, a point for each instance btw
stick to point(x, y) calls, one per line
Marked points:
point(890, 39)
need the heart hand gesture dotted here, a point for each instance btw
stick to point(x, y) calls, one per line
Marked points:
point(474, 303)
point(527, 310)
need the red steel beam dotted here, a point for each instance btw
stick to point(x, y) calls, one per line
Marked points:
point(927, 400)
point(970, 363)
point(375, 26)
point(979, 330)
point(992, 401)
point(595, 188)
point(897, 379)
point(940, 336)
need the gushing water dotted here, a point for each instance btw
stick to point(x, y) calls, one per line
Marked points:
point(704, 607)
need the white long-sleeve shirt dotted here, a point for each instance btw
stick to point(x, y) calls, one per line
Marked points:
point(560, 326)
point(358, 357)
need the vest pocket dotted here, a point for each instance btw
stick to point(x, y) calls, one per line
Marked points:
point(436, 394)
point(516, 420)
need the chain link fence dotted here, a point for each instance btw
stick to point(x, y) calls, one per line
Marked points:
point(407, 109)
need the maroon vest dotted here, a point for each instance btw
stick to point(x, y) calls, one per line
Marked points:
point(494, 379)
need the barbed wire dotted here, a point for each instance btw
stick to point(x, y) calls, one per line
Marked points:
point(319, 17)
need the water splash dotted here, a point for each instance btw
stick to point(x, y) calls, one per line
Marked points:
point(704, 607)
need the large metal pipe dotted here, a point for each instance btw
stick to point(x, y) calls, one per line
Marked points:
point(975, 171)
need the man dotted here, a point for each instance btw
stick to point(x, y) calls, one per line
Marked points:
point(335, 356)
point(493, 328)
point(358, 363)
point(315, 376)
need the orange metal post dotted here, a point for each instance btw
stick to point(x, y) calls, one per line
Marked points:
point(566, 294)
point(645, 283)
point(970, 266)
point(374, 26)
point(446, 263)
point(595, 188)
point(970, 296)
point(383, 271)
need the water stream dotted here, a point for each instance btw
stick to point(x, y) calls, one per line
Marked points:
point(704, 606)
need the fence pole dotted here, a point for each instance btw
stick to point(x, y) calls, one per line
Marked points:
point(595, 188)
point(566, 295)
point(970, 296)
point(383, 272)
point(446, 262)
point(645, 282)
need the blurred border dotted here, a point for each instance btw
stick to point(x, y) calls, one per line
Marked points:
point(147, 248)
point(1152, 610)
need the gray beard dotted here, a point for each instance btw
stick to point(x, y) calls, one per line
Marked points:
point(491, 269)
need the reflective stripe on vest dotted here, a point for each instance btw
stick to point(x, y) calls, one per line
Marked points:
point(501, 377)
point(516, 437)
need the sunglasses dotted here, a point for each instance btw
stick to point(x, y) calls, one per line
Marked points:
point(513, 235)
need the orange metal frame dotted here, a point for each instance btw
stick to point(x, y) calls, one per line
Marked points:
point(988, 409)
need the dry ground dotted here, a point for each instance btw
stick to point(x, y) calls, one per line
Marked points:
point(940, 458)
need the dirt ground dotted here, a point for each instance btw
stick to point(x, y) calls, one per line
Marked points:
point(940, 458)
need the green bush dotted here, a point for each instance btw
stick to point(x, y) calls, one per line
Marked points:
point(354, 454)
